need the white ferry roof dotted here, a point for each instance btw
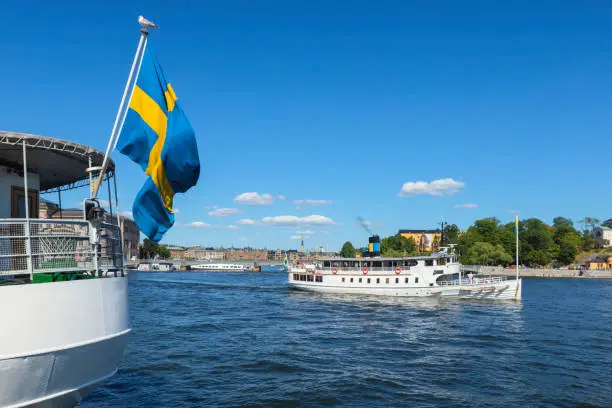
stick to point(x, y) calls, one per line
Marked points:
point(432, 256)
point(57, 162)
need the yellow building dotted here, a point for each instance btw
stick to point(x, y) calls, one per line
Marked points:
point(600, 263)
point(426, 240)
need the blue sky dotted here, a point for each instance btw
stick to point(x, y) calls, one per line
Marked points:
point(491, 106)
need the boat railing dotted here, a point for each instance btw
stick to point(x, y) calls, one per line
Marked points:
point(473, 281)
point(44, 246)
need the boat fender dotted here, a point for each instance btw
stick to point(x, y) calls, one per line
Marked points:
point(398, 270)
point(364, 270)
point(334, 270)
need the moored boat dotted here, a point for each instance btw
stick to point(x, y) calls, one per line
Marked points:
point(63, 291)
point(221, 267)
point(438, 274)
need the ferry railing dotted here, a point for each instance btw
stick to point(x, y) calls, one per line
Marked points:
point(473, 281)
point(44, 246)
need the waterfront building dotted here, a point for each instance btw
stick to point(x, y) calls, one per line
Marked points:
point(603, 235)
point(204, 254)
point(600, 263)
point(426, 240)
point(251, 254)
point(176, 252)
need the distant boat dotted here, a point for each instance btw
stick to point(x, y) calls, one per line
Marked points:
point(160, 266)
point(438, 274)
point(221, 267)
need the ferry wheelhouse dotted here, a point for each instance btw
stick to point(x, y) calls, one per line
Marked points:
point(63, 292)
point(438, 274)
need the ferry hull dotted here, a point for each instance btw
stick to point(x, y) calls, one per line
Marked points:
point(63, 339)
point(508, 290)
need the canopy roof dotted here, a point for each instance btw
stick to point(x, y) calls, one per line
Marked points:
point(59, 163)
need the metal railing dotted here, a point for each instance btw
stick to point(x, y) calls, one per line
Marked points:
point(43, 246)
point(473, 281)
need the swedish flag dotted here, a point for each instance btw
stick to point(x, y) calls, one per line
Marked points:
point(157, 136)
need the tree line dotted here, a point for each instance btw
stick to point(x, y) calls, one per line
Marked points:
point(489, 242)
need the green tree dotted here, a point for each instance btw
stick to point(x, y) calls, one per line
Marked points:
point(451, 234)
point(484, 253)
point(397, 245)
point(560, 222)
point(537, 257)
point(152, 250)
point(347, 251)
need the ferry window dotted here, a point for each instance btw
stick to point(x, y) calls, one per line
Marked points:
point(345, 264)
point(396, 280)
point(295, 276)
point(368, 280)
point(377, 264)
point(351, 280)
point(416, 280)
point(388, 264)
point(429, 262)
point(319, 279)
point(377, 280)
point(410, 263)
point(355, 264)
point(326, 264)
point(387, 280)
point(359, 280)
point(342, 279)
point(431, 284)
point(438, 272)
point(406, 280)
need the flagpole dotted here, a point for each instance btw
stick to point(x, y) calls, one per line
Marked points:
point(122, 112)
point(517, 247)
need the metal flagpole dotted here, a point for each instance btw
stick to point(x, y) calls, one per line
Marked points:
point(119, 119)
point(27, 211)
point(517, 246)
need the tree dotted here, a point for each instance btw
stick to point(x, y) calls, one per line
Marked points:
point(347, 251)
point(567, 253)
point(397, 245)
point(152, 250)
point(560, 222)
point(484, 253)
point(537, 257)
point(451, 234)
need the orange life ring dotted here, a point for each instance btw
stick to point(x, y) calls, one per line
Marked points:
point(365, 270)
point(398, 270)
point(334, 270)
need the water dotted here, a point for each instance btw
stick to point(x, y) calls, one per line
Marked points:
point(246, 340)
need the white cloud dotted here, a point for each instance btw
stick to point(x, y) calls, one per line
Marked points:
point(312, 202)
point(299, 237)
point(243, 239)
point(177, 211)
point(255, 199)
point(211, 207)
point(280, 197)
point(247, 221)
point(290, 221)
point(224, 212)
point(466, 205)
point(200, 224)
point(127, 214)
point(440, 187)
point(307, 232)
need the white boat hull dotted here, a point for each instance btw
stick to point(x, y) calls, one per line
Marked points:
point(509, 289)
point(60, 340)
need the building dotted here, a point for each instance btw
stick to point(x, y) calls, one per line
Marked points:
point(249, 254)
point(425, 240)
point(129, 229)
point(204, 254)
point(176, 252)
point(600, 263)
point(602, 236)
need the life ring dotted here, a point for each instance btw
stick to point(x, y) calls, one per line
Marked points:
point(398, 270)
point(302, 266)
point(364, 270)
point(334, 270)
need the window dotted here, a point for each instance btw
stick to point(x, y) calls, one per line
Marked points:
point(368, 280)
point(416, 280)
point(18, 202)
point(429, 262)
point(342, 279)
point(377, 280)
point(387, 280)
point(396, 280)
point(406, 280)
point(318, 279)
point(351, 280)
point(295, 276)
point(360, 280)
point(438, 272)
point(431, 284)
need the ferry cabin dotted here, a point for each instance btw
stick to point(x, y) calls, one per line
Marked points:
point(428, 271)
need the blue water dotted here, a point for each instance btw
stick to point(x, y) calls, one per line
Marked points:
point(246, 340)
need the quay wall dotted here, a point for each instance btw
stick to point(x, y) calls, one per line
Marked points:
point(539, 273)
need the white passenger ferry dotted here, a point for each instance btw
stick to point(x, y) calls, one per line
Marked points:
point(221, 267)
point(436, 275)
